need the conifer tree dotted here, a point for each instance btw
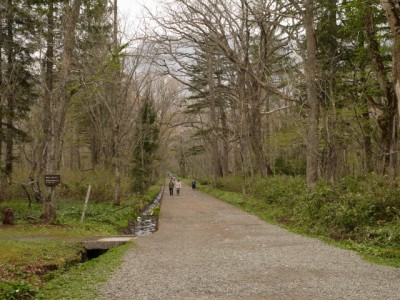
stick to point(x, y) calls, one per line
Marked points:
point(146, 138)
point(16, 78)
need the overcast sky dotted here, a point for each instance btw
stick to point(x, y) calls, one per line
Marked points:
point(133, 9)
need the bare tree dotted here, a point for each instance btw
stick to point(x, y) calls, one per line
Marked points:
point(56, 115)
point(392, 11)
point(245, 36)
point(306, 11)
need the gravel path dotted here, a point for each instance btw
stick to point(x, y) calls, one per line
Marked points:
point(207, 249)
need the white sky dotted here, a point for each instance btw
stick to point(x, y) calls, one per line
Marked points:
point(133, 9)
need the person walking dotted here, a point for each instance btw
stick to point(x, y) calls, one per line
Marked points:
point(178, 187)
point(171, 187)
point(193, 185)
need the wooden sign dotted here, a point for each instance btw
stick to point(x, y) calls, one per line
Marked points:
point(52, 180)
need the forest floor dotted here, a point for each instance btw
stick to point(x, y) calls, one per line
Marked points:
point(208, 249)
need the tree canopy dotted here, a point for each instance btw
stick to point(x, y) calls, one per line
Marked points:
point(203, 88)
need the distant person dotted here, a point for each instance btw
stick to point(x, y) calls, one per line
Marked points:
point(171, 187)
point(193, 185)
point(178, 187)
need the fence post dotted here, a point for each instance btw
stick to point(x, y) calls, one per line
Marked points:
point(86, 203)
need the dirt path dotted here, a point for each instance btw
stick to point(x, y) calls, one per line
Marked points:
point(207, 249)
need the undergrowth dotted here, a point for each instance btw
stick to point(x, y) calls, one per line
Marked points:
point(83, 281)
point(361, 214)
point(32, 252)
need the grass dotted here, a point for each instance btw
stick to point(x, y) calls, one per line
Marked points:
point(32, 253)
point(26, 256)
point(85, 280)
point(374, 254)
point(359, 214)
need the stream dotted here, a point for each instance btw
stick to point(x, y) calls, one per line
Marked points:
point(147, 222)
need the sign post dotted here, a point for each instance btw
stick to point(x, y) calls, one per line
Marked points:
point(52, 180)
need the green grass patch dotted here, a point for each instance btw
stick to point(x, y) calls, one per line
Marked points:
point(85, 280)
point(361, 214)
point(25, 259)
point(31, 250)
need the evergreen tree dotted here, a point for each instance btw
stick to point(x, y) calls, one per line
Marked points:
point(16, 78)
point(146, 137)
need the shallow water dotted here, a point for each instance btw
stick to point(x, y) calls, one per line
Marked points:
point(147, 222)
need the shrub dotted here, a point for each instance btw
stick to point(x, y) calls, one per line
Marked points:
point(102, 181)
point(294, 166)
point(14, 290)
point(231, 183)
point(282, 190)
point(364, 208)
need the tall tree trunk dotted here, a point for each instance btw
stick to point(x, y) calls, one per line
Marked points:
point(216, 161)
point(182, 159)
point(258, 96)
point(117, 127)
point(95, 150)
point(49, 210)
point(74, 153)
point(366, 127)
point(225, 138)
point(2, 17)
point(312, 96)
point(49, 83)
point(117, 166)
point(387, 122)
point(9, 137)
point(329, 53)
point(392, 11)
point(58, 109)
point(255, 133)
point(242, 129)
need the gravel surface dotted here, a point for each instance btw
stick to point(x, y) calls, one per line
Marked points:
point(207, 249)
